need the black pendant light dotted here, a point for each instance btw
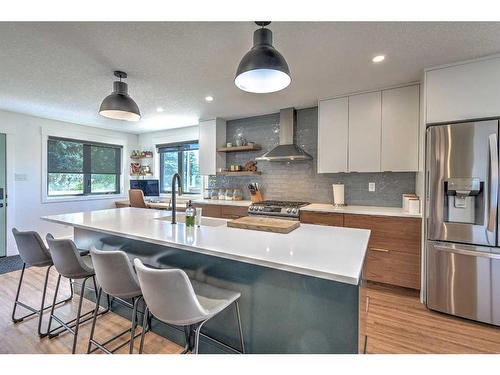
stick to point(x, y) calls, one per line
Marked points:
point(263, 69)
point(119, 105)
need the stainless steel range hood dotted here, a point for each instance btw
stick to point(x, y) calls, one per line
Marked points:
point(287, 150)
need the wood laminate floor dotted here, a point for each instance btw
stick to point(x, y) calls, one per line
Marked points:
point(22, 337)
point(392, 320)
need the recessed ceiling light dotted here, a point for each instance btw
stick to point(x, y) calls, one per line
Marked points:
point(378, 58)
point(209, 98)
point(159, 109)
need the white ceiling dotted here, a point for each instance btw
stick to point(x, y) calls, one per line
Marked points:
point(63, 71)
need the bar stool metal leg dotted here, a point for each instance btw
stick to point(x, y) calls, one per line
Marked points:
point(77, 326)
point(92, 329)
point(134, 324)
point(145, 322)
point(33, 310)
point(197, 331)
point(238, 316)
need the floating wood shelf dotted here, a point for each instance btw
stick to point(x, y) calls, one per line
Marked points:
point(141, 174)
point(240, 173)
point(255, 147)
point(140, 157)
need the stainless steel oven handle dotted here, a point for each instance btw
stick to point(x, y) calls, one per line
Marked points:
point(493, 183)
point(481, 254)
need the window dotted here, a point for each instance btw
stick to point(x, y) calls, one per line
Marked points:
point(182, 158)
point(82, 168)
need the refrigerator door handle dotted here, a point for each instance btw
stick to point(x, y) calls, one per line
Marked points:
point(454, 250)
point(493, 184)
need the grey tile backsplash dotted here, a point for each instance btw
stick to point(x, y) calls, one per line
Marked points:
point(299, 180)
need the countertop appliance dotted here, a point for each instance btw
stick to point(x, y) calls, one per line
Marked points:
point(279, 209)
point(463, 245)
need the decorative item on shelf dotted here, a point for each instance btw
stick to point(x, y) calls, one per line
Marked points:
point(235, 168)
point(229, 145)
point(135, 169)
point(136, 154)
point(250, 166)
point(146, 170)
point(240, 141)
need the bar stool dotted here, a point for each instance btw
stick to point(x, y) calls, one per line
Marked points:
point(71, 265)
point(34, 253)
point(117, 279)
point(174, 299)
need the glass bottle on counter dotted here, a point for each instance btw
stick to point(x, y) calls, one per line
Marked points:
point(214, 194)
point(207, 193)
point(222, 194)
point(237, 195)
point(190, 215)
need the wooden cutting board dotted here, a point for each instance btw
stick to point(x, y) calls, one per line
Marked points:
point(264, 224)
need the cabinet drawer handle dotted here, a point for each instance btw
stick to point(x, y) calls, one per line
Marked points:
point(379, 249)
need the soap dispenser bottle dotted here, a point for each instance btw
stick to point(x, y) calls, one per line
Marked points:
point(190, 215)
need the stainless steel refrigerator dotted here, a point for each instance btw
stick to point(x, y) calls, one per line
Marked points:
point(462, 229)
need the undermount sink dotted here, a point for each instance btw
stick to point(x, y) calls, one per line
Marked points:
point(206, 221)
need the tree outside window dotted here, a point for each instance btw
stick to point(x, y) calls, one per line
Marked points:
point(182, 158)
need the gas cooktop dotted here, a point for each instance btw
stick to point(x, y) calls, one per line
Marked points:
point(280, 209)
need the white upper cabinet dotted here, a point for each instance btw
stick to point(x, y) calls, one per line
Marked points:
point(212, 136)
point(364, 132)
point(333, 127)
point(400, 129)
point(464, 91)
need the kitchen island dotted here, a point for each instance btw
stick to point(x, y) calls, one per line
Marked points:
point(299, 291)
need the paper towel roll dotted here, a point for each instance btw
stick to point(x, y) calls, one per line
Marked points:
point(338, 194)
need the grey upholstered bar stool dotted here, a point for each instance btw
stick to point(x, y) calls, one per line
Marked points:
point(117, 279)
point(33, 253)
point(71, 265)
point(174, 299)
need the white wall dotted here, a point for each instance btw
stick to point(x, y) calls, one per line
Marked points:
point(24, 158)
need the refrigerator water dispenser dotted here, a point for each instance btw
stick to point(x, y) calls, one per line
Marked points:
point(464, 200)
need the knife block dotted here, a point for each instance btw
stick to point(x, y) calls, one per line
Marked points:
point(257, 197)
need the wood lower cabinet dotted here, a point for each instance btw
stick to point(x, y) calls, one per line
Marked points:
point(322, 218)
point(222, 211)
point(394, 248)
point(393, 251)
point(233, 212)
point(393, 267)
point(209, 210)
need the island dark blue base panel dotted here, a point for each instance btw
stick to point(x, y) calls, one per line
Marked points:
point(281, 312)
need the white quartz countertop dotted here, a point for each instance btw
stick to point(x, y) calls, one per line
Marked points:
point(223, 202)
point(360, 210)
point(333, 253)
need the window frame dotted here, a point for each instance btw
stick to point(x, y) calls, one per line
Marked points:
point(180, 149)
point(86, 169)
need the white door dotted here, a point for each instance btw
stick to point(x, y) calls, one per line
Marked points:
point(333, 127)
point(364, 132)
point(400, 128)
